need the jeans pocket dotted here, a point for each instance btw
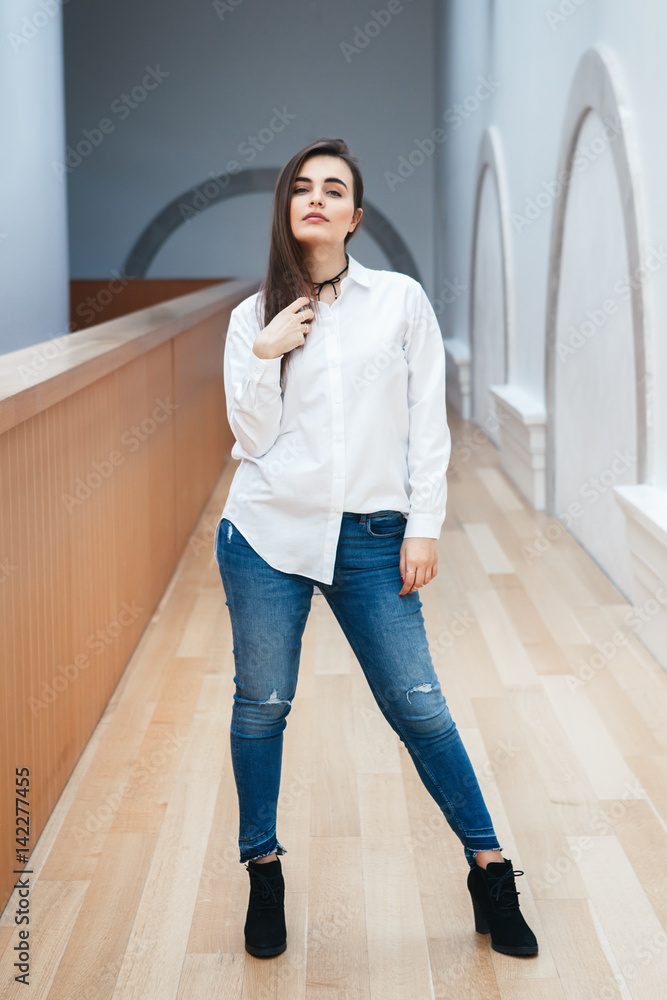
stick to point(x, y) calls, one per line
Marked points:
point(386, 523)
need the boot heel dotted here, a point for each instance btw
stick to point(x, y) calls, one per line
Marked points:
point(481, 923)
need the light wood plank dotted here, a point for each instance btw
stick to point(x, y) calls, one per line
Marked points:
point(503, 492)
point(216, 977)
point(603, 762)
point(334, 792)
point(205, 620)
point(337, 950)
point(488, 548)
point(171, 883)
point(54, 907)
point(543, 847)
point(377, 745)
point(512, 661)
point(634, 934)
point(397, 948)
point(583, 967)
point(91, 962)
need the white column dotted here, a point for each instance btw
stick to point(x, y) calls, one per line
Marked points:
point(34, 289)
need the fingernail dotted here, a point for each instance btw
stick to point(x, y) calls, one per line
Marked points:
point(401, 579)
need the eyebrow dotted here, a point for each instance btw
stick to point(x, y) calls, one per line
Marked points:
point(327, 180)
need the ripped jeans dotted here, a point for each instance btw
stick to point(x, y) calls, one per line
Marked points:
point(268, 611)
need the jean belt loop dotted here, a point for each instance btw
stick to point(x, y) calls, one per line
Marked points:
point(362, 519)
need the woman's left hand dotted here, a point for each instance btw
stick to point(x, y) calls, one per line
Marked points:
point(420, 554)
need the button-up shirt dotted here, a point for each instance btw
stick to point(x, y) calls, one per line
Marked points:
point(361, 425)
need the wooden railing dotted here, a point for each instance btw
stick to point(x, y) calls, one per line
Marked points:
point(111, 442)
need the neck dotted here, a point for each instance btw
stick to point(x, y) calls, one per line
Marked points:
point(325, 262)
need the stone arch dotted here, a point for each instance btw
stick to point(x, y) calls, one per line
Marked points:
point(218, 188)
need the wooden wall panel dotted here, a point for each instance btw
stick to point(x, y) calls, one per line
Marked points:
point(96, 300)
point(99, 493)
point(200, 442)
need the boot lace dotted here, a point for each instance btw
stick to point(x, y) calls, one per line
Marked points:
point(264, 894)
point(503, 891)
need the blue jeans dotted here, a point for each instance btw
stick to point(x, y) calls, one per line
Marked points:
point(268, 611)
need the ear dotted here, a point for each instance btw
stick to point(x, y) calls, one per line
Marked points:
point(356, 218)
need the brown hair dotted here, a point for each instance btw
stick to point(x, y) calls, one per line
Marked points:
point(287, 276)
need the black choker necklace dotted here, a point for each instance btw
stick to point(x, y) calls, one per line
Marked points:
point(319, 285)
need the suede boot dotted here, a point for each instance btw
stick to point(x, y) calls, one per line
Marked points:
point(265, 929)
point(495, 905)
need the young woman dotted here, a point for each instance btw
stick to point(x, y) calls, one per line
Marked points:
point(335, 384)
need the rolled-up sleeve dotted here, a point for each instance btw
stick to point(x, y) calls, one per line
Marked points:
point(429, 444)
point(252, 389)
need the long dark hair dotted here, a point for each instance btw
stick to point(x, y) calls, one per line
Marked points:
point(288, 276)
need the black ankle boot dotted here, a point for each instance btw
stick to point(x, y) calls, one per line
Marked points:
point(495, 904)
point(265, 930)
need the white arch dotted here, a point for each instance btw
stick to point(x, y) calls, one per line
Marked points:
point(595, 87)
point(490, 159)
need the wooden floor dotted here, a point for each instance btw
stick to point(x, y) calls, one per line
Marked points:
point(138, 892)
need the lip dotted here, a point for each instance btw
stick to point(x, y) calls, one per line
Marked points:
point(315, 215)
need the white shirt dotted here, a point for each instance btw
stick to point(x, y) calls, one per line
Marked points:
point(361, 425)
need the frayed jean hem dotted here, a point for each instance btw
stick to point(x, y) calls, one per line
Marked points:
point(471, 855)
point(253, 854)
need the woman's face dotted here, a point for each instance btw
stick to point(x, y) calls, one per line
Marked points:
point(324, 185)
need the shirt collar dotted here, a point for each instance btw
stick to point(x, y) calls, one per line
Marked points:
point(357, 271)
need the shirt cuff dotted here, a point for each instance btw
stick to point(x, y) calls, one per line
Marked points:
point(264, 369)
point(423, 525)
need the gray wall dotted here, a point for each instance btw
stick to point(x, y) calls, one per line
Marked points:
point(228, 69)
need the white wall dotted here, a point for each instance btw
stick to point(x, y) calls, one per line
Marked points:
point(532, 51)
point(34, 289)
point(225, 78)
point(533, 62)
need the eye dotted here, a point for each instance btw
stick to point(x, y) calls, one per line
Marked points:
point(298, 190)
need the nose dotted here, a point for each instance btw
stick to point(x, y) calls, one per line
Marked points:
point(315, 199)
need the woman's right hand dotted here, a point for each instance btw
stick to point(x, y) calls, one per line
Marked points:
point(287, 330)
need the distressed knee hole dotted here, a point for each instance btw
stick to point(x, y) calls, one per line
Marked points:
point(418, 687)
point(229, 532)
point(275, 700)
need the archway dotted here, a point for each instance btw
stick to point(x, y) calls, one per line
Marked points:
point(595, 340)
point(214, 190)
point(489, 295)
